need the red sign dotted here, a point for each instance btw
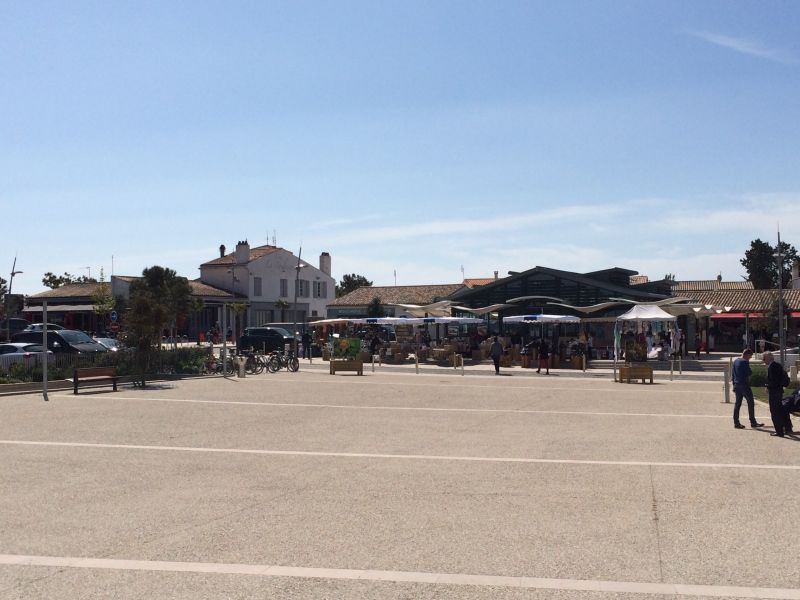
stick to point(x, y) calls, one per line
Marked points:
point(114, 327)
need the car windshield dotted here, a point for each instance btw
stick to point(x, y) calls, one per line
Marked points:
point(75, 337)
point(281, 331)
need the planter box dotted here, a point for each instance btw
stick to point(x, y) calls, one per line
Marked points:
point(338, 364)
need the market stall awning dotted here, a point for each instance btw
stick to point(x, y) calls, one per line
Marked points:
point(646, 312)
point(740, 315)
point(542, 319)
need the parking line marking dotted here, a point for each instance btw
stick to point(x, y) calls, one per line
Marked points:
point(432, 457)
point(399, 408)
point(541, 583)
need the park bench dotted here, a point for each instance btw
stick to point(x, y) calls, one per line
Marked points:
point(346, 365)
point(628, 372)
point(94, 374)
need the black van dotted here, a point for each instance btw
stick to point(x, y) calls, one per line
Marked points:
point(64, 340)
point(12, 326)
point(265, 339)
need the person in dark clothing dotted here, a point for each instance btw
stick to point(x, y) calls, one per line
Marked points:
point(306, 339)
point(775, 392)
point(741, 386)
point(544, 357)
point(697, 344)
point(496, 351)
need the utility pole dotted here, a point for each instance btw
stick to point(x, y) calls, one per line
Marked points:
point(296, 286)
point(8, 297)
point(781, 329)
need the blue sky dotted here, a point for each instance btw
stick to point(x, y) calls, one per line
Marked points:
point(411, 136)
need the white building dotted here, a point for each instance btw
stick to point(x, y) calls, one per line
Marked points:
point(266, 275)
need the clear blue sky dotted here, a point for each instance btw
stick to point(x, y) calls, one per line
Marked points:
point(411, 136)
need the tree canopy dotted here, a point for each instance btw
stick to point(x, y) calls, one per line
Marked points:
point(762, 265)
point(349, 283)
point(156, 302)
point(56, 281)
point(375, 308)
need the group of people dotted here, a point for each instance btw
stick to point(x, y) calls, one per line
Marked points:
point(777, 380)
point(496, 351)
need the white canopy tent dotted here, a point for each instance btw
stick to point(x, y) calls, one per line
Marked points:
point(646, 312)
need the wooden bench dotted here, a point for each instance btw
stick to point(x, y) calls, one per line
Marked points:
point(628, 372)
point(94, 374)
point(346, 365)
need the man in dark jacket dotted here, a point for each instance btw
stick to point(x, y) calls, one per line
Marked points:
point(741, 386)
point(775, 382)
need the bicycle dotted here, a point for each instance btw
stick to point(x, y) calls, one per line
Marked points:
point(280, 359)
point(215, 365)
point(255, 363)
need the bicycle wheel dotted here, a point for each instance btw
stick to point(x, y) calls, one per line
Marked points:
point(273, 364)
point(250, 366)
point(292, 364)
point(230, 369)
point(258, 365)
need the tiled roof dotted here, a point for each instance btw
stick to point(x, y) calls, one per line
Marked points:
point(749, 300)
point(255, 253)
point(70, 290)
point(203, 289)
point(475, 282)
point(709, 285)
point(398, 294)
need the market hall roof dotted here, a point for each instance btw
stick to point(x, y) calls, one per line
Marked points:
point(577, 289)
point(749, 300)
point(398, 294)
point(680, 288)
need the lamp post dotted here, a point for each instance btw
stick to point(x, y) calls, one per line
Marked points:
point(781, 330)
point(8, 295)
point(296, 286)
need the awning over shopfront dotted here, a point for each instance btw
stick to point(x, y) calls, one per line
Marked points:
point(54, 308)
point(742, 315)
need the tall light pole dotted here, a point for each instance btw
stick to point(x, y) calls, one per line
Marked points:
point(8, 295)
point(296, 289)
point(781, 330)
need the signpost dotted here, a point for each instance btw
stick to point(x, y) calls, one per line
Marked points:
point(114, 327)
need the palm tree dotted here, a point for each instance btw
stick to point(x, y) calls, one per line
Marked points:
point(281, 305)
point(238, 309)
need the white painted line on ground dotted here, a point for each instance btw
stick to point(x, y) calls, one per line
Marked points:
point(548, 461)
point(540, 583)
point(106, 398)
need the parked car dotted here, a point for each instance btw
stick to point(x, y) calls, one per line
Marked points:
point(12, 326)
point(15, 352)
point(265, 339)
point(64, 340)
point(40, 326)
point(112, 344)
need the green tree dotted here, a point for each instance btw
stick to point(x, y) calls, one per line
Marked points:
point(351, 282)
point(103, 301)
point(375, 308)
point(281, 305)
point(56, 281)
point(670, 277)
point(238, 309)
point(3, 292)
point(762, 266)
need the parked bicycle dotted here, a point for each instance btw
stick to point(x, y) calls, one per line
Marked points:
point(255, 363)
point(215, 364)
point(279, 360)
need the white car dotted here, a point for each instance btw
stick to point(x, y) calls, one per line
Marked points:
point(14, 352)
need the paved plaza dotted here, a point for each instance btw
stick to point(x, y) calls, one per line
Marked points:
point(395, 485)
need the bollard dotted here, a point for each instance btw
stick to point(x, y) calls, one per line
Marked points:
point(583, 356)
point(416, 362)
point(726, 386)
point(462, 364)
point(680, 364)
point(373, 363)
point(671, 367)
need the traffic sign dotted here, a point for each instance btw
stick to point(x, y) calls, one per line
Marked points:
point(113, 316)
point(114, 326)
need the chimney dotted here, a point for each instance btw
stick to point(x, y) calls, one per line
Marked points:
point(242, 253)
point(719, 278)
point(496, 273)
point(221, 250)
point(325, 263)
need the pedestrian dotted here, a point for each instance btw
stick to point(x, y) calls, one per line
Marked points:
point(306, 339)
point(496, 351)
point(776, 380)
point(741, 386)
point(544, 357)
point(697, 344)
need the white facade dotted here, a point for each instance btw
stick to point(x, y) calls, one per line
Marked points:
point(269, 276)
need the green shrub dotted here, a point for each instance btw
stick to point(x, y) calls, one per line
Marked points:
point(759, 377)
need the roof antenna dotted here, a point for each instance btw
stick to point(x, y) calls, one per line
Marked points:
point(274, 238)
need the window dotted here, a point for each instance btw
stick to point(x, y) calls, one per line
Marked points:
point(302, 288)
point(257, 286)
point(284, 288)
point(320, 289)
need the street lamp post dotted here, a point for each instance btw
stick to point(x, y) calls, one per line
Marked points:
point(781, 329)
point(8, 295)
point(296, 286)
